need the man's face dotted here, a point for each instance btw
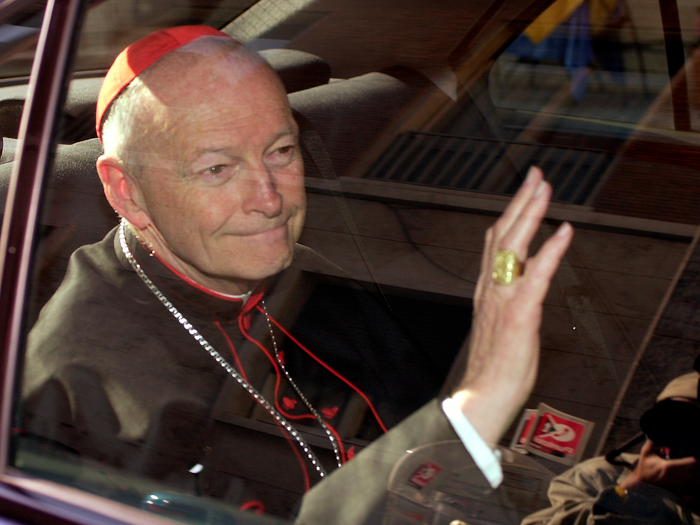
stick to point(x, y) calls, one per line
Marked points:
point(225, 186)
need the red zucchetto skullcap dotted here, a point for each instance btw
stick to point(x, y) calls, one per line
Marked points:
point(136, 58)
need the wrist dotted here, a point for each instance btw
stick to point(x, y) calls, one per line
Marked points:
point(487, 459)
point(630, 481)
point(489, 414)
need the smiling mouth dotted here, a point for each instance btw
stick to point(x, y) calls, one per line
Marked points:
point(267, 231)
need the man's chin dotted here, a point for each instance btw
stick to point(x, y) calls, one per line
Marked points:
point(275, 267)
point(261, 269)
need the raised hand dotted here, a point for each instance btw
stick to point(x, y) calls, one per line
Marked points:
point(504, 344)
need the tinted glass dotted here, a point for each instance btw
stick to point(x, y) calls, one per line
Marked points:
point(417, 122)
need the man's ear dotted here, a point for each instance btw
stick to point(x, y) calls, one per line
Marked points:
point(122, 191)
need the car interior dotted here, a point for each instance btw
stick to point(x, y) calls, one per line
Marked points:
point(414, 136)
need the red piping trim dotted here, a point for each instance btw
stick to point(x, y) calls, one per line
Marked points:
point(278, 380)
point(233, 350)
point(195, 284)
point(252, 302)
point(255, 505)
point(249, 305)
point(331, 370)
point(277, 384)
point(277, 405)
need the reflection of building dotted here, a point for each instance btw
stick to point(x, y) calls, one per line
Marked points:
point(566, 32)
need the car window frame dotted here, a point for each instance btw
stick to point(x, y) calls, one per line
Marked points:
point(47, 89)
point(25, 499)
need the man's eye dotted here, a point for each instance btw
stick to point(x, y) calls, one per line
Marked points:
point(216, 174)
point(283, 156)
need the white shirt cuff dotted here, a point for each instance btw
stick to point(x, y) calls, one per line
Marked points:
point(486, 459)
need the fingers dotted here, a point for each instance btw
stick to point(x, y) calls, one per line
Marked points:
point(520, 200)
point(519, 222)
point(682, 463)
point(486, 263)
point(651, 449)
point(516, 227)
point(520, 234)
point(541, 268)
point(511, 219)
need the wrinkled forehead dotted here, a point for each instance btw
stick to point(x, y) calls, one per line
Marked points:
point(205, 71)
point(201, 91)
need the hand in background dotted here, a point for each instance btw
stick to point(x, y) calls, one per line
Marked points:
point(679, 476)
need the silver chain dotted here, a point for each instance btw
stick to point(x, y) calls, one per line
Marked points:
point(219, 359)
point(331, 437)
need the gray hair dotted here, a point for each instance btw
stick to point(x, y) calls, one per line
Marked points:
point(125, 127)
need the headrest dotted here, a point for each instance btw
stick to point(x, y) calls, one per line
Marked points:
point(139, 56)
point(298, 70)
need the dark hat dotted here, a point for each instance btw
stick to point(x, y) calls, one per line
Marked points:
point(674, 421)
point(139, 56)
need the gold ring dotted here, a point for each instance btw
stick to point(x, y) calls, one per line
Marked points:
point(506, 267)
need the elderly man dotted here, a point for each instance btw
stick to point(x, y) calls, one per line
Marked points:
point(202, 162)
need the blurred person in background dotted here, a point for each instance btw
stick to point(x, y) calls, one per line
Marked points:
point(660, 485)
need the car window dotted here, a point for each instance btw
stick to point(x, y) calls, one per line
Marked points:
point(141, 380)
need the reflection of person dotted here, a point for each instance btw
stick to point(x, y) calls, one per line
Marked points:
point(202, 161)
point(660, 485)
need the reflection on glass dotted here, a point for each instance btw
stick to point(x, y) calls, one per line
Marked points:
point(426, 122)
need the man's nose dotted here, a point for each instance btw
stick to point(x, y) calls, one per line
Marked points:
point(261, 194)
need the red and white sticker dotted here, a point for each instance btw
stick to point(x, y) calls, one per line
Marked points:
point(558, 436)
point(522, 433)
point(424, 475)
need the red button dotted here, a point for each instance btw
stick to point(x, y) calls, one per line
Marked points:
point(329, 412)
